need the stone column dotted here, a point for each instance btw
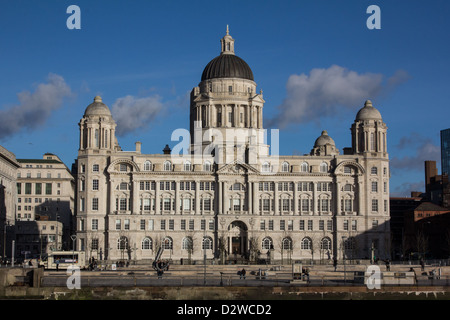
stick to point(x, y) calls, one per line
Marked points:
point(157, 199)
point(295, 199)
point(276, 198)
point(197, 197)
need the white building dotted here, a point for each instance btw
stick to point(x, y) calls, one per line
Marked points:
point(45, 200)
point(228, 197)
point(8, 198)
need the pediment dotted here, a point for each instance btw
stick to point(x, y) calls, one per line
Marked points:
point(237, 167)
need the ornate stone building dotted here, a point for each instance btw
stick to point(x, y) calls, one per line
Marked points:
point(8, 198)
point(225, 196)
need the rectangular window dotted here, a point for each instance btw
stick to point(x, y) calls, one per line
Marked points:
point(211, 224)
point(271, 225)
point(353, 225)
point(151, 224)
point(163, 224)
point(38, 188)
point(48, 188)
point(166, 204)
point(171, 224)
point(19, 188)
point(302, 225)
point(374, 224)
point(375, 205)
point(325, 207)
point(95, 168)
point(262, 225)
point(266, 204)
point(207, 204)
point(123, 204)
point(183, 224)
point(82, 205)
point(191, 224)
point(118, 224)
point(348, 205)
point(305, 205)
point(310, 225)
point(329, 225)
point(27, 188)
point(345, 225)
point(95, 184)
point(321, 225)
point(385, 205)
point(94, 224)
point(282, 225)
point(146, 204)
point(142, 224)
point(285, 204)
point(202, 224)
point(95, 204)
point(374, 186)
point(290, 225)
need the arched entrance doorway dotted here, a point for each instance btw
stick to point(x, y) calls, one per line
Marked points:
point(237, 239)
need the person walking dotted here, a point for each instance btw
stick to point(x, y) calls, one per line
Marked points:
point(243, 273)
point(335, 264)
point(388, 265)
point(422, 264)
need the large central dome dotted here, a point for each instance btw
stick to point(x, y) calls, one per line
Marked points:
point(227, 65)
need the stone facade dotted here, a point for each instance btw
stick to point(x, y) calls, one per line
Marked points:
point(8, 196)
point(46, 193)
point(227, 198)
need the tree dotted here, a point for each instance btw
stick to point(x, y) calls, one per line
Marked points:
point(421, 242)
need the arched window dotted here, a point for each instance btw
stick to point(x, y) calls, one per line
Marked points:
point(122, 243)
point(207, 166)
point(287, 244)
point(285, 167)
point(266, 244)
point(207, 243)
point(266, 167)
point(147, 244)
point(306, 244)
point(304, 167)
point(187, 166)
point(167, 243)
point(147, 166)
point(167, 166)
point(323, 167)
point(187, 243)
point(325, 244)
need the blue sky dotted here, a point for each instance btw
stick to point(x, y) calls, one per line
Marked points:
point(145, 57)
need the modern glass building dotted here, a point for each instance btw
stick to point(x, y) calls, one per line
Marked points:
point(445, 151)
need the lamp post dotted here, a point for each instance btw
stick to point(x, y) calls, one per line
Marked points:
point(5, 225)
point(73, 237)
point(57, 233)
point(343, 257)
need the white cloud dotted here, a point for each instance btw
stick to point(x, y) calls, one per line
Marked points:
point(425, 150)
point(34, 108)
point(133, 113)
point(325, 92)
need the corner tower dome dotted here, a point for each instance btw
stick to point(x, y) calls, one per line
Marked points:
point(97, 108)
point(368, 112)
point(227, 64)
point(324, 139)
